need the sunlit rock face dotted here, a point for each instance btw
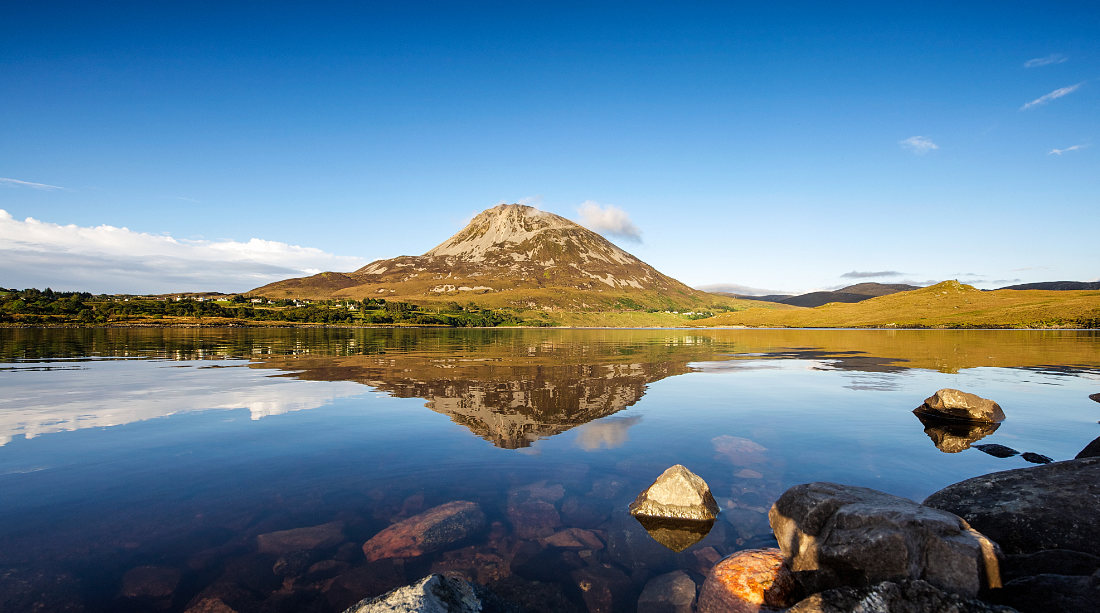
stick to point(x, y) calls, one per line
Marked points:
point(956, 405)
point(677, 494)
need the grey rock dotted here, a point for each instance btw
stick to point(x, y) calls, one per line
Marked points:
point(1036, 458)
point(839, 535)
point(1030, 509)
point(997, 451)
point(677, 494)
point(1092, 450)
point(432, 594)
point(669, 593)
point(957, 405)
point(910, 596)
point(1050, 562)
point(1043, 593)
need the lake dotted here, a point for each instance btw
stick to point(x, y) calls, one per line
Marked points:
point(147, 469)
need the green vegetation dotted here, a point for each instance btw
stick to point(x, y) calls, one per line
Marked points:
point(47, 307)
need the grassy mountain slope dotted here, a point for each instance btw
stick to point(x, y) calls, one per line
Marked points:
point(949, 304)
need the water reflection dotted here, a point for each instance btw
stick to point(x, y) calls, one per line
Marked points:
point(954, 436)
point(677, 535)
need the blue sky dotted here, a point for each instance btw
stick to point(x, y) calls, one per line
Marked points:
point(776, 147)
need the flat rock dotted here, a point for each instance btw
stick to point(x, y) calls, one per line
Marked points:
point(956, 405)
point(739, 451)
point(997, 451)
point(677, 494)
point(1092, 450)
point(1036, 458)
point(746, 582)
point(839, 535)
point(893, 597)
point(1029, 509)
point(432, 594)
point(301, 539)
point(533, 518)
point(573, 538)
point(432, 530)
point(669, 593)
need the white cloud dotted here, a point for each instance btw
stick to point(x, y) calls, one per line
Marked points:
point(608, 219)
point(107, 259)
point(1053, 58)
point(919, 144)
point(18, 183)
point(1054, 95)
point(1066, 150)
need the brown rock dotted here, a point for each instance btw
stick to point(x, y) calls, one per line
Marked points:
point(705, 559)
point(150, 582)
point(604, 589)
point(299, 539)
point(952, 404)
point(210, 605)
point(533, 518)
point(429, 531)
point(677, 494)
point(370, 579)
point(837, 535)
point(669, 593)
point(573, 538)
point(746, 582)
point(539, 490)
point(473, 564)
point(739, 451)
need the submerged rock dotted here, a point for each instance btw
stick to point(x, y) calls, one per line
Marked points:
point(952, 436)
point(746, 582)
point(429, 531)
point(739, 451)
point(669, 593)
point(1036, 458)
point(677, 494)
point(997, 451)
point(893, 597)
point(432, 594)
point(1030, 509)
point(837, 535)
point(956, 405)
point(1095, 397)
point(156, 582)
point(301, 539)
point(604, 589)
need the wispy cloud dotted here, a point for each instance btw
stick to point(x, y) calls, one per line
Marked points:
point(105, 258)
point(1066, 150)
point(856, 274)
point(608, 219)
point(1054, 95)
point(918, 144)
point(1053, 58)
point(744, 290)
point(19, 183)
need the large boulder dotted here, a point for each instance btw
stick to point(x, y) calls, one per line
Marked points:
point(669, 593)
point(1052, 506)
point(748, 581)
point(677, 494)
point(893, 597)
point(429, 531)
point(839, 535)
point(956, 405)
point(432, 594)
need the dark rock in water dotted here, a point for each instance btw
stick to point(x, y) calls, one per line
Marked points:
point(669, 593)
point(535, 595)
point(29, 589)
point(223, 597)
point(432, 594)
point(533, 518)
point(474, 564)
point(997, 451)
point(584, 512)
point(210, 605)
point(1050, 562)
point(676, 534)
point(1035, 458)
point(677, 494)
point(1043, 593)
point(369, 579)
point(605, 589)
point(251, 571)
point(838, 535)
point(294, 563)
point(1092, 450)
point(1095, 397)
point(748, 581)
point(432, 530)
point(952, 404)
point(951, 436)
point(299, 539)
point(912, 596)
point(573, 538)
point(1030, 509)
point(630, 546)
point(156, 582)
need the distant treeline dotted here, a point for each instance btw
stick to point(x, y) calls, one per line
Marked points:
point(38, 307)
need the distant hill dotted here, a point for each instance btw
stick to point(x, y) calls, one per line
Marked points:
point(1059, 286)
point(510, 255)
point(853, 293)
point(949, 304)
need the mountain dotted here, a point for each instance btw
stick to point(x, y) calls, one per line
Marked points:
point(853, 293)
point(509, 255)
point(1060, 286)
point(949, 304)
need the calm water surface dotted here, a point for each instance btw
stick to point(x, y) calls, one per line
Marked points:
point(138, 467)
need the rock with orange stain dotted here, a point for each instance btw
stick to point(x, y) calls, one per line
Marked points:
point(429, 531)
point(747, 582)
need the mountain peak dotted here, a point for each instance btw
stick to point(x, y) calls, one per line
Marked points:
point(495, 228)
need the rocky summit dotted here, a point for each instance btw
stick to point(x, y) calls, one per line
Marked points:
point(509, 255)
